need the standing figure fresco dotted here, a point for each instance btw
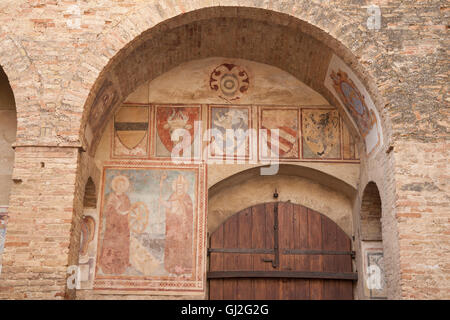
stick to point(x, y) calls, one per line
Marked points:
point(114, 257)
point(179, 225)
point(151, 227)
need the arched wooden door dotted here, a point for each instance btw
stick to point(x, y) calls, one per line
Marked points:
point(280, 250)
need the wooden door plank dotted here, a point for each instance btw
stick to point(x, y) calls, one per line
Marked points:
point(216, 264)
point(272, 285)
point(301, 243)
point(259, 242)
point(244, 261)
point(315, 242)
point(330, 287)
point(286, 236)
point(230, 241)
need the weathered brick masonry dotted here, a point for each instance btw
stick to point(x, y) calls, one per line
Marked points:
point(56, 73)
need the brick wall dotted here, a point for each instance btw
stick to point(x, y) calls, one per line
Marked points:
point(41, 212)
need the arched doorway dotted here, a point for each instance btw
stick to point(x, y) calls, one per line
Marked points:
point(135, 102)
point(280, 250)
point(372, 251)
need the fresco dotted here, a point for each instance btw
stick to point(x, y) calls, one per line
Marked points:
point(168, 120)
point(88, 248)
point(286, 142)
point(3, 222)
point(151, 228)
point(229, 81)
point(106, 98)
point(223, 118)
point(321, 134)
point(374, 272)
point(131, 131)
point(349, 91)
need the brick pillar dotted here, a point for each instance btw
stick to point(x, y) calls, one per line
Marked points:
point(43, 204)
point(423, 216)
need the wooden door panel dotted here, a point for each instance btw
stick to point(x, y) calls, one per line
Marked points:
point(280, 251)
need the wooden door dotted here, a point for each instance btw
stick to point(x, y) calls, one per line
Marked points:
point(280, 250)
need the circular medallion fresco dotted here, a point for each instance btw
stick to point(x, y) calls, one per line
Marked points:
point(230, 81)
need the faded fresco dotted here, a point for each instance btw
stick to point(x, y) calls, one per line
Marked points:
point(229, 81)
point(374, 272)
point(106, 98)
point(321, 134)
point(150, 229)
point(346, 87)
point(3, 222)
point(235, 121)
point(168, 120)
point(285, 143)
point(88, 248)
point(131, 132)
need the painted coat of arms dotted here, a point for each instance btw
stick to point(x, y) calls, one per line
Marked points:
point(282, 137)
point(229, 129)
point(168, 120)
point(131, 130)
point(354, 101)
point(321, 135)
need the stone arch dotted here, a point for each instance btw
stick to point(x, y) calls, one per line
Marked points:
point(371, 214)
point(294, 183)
point(147, 21)
point(26, 86)
point(143, 30)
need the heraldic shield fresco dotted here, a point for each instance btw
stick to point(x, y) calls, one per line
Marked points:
point(229, 134)
point(131, 124)
point(152, 229)
point(280, 133)
point(168, 120)
point(350, 92)
point(321, 134)
point(287, 133)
